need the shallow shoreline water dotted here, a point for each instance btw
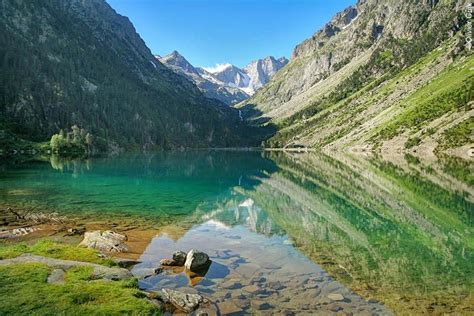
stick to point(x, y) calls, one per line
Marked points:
point(251, 273)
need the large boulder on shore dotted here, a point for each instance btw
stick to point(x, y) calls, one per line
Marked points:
point(108, 241)
point(196, 261)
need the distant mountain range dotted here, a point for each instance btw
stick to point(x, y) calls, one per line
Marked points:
point(226, 82)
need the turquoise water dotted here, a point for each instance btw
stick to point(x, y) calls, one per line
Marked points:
point(396, 231)
point(161, 185)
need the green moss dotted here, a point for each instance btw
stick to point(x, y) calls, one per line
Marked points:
point(25, 291)
point(52, 249)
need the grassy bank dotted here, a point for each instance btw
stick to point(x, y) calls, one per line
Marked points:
point(24, 288)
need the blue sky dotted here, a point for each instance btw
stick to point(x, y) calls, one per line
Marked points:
point(210, 32)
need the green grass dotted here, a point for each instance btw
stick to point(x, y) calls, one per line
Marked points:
point(24, 291)
point(449, 91)
point(52, 249)
point(458, 135)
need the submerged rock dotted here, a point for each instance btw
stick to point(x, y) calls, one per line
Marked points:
point(168, 262)
point(334, 307)
point(260, 305)
point(183, 301)
point(252, 289)
point(229, 308)
point(231, 284)
point(125, 263)
point(105, 241)
point(197, 260)
point(179, 258)
point(336, 297)
point(145, 273)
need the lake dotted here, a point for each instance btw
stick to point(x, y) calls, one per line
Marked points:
point(286, 231)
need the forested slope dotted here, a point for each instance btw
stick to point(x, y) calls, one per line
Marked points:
point(66, 63)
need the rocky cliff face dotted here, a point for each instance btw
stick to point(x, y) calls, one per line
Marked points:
point(260, 71)
point(248, 79)
point(79, 62)
point(231, 75)
point(367, 69)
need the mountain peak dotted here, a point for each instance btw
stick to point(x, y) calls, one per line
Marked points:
point(175, 59)
point(175, 53)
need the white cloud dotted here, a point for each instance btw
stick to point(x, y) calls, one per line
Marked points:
point(217, 68)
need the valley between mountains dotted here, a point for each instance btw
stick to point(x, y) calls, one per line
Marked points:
point(386, 76)
point(337, 181)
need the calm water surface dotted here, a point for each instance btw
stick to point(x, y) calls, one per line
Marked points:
point(285, 231)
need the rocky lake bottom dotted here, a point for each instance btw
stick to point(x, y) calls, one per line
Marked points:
point(252, 273)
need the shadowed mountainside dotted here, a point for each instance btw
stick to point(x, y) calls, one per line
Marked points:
point(80, 63)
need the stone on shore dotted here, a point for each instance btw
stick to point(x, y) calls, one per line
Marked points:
point(57, 276)
point(75, 231)
point(108, 241)
point(197, 260)
point(183, 301)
